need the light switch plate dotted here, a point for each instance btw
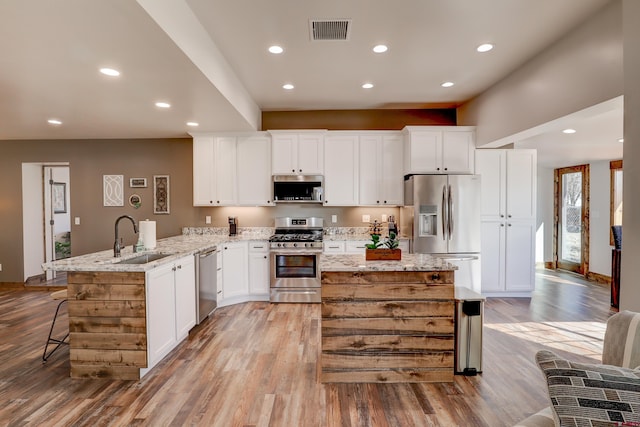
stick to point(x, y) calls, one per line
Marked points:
point(383, 218)
point(207, 219)
point(334, 218)
point(76, 220)
point(366, 218)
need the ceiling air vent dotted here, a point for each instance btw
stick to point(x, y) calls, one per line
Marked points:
point(330, 29)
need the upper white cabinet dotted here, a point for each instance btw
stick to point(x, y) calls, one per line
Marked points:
point(439, 149)
point(341, 170)
point(508, 183)
point(254, 171)
point(380, 174)
point(295, 153)
point(232, 170)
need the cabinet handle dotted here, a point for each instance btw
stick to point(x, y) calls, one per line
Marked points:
point(435, 276)
point(179, 267)
point(258, 247)
point(225, 248)
point(173, 269)
point(501, 225)
point(334, 247)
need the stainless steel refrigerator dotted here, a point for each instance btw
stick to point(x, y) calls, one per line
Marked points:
point(442, 216)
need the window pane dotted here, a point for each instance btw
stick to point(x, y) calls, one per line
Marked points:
point(571, 225)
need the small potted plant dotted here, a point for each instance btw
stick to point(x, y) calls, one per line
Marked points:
point(383, 251)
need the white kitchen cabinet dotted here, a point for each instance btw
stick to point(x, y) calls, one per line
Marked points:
point(295, 153)
point(235, 280)
point(185, 288)
point(380, 170)
point(232, 170)
point(254, 171)
point(508, 183)
point(171, 307)
point(259, 268)
point(508, 221)
point(357, 246)
point(341, 170)
point(439, 149)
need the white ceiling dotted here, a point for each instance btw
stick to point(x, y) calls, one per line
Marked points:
point(209, 59)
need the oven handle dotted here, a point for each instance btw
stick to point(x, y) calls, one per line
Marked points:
point(295, 291)
point(295, 252)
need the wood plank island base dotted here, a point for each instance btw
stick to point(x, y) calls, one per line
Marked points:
point(387, 321)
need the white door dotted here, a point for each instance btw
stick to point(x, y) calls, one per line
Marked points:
point(185, 296)
point(457, 151)
point(161, 317)
point(259, 273)
point(284, 153)
point(310, 154)
point(254, 171)
point(341, 171)
point(521, 184)
point(203, 173)
point(235, 269)
point(493, 252)
point(225, 171)
point(519, 264)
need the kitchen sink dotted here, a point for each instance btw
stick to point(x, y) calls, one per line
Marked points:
point(143, 259)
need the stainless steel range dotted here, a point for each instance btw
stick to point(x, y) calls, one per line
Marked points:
point(295, 259)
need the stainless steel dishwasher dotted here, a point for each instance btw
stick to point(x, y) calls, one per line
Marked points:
point(206, 283)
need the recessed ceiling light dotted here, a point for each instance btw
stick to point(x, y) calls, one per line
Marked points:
point(621, 140)
point(194, 124)
point(367, 86)
point(380, 48)
point(110, 72)
point(486, 47)
point(54, 122)
point(287, 86)
point(163, 105)
point(276, 49)
point(447, 84)
point(569, 131)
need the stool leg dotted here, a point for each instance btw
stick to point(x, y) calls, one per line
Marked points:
point(50, 340)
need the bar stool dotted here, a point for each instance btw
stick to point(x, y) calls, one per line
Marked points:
point(58, 295)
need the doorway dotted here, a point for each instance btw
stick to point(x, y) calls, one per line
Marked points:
point(46, 217)
point(571, 219)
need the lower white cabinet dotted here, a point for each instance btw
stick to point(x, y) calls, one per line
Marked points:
point(259, 268)
point(235, 277)
point(171, 307)
point(508, 258)
point(333, 247)
point(355, 246)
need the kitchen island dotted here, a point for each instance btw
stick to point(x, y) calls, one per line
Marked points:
point(124, 317)
point(387, 321)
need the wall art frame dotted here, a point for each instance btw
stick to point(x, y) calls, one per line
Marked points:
point(161, 194)
point(138, 182)
point(113, 190)
point(59, 197)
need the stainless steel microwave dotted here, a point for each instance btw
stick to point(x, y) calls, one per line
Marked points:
point(297, 188)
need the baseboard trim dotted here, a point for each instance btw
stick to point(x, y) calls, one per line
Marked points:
point(11, 285)
point(598, 278)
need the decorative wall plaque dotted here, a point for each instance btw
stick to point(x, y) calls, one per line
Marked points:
point(112, 190)
point(161, 194)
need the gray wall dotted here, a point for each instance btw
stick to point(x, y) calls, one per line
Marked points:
point(630, 286)
point(582, 69)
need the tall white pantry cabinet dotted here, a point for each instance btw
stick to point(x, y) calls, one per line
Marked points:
point(508, 220)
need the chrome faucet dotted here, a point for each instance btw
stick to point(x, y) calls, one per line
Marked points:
point(118, 243)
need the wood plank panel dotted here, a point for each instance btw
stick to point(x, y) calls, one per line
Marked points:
point(400, 277)
point(382, 360)
point(407, 326)
point(81, 277)
point(388, 376)
point(116, 341)
point(110, 357)
point(107, 308)
point(108, 324)
point(386, 291)
point(394, 309)
point(389, 342)
point(106, 291)
point(100, 371)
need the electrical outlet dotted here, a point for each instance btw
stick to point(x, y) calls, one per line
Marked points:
point(334, 218)
point(383, 218)
point(76, 220)
point(366, 218)
point(207, 219)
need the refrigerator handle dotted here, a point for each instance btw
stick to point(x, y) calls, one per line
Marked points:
point(450, 212)
point(444, 212)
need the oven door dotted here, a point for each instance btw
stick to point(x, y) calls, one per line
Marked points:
point(295, 269)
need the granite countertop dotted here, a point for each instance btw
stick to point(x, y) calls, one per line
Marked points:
point(175, 247)
point(409, 262)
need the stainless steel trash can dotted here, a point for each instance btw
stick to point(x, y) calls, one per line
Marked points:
point(469, 320)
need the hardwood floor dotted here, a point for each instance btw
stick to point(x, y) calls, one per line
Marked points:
point(255, 364)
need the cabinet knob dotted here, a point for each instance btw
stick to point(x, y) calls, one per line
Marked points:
point(501, 216)
point(501, 225)
point(210, 202)
point(173, 269)
point(268, 201)
point(435, 276)
point(179, 267)
point(225, 248)
point(437, 169)
point(385, 201)
point(509, 216)
point(265, 257)
point(293, 170)
point(446, 168)
point(299, 170)
point(509, 225)
point(217, 201)
point(377, 201)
